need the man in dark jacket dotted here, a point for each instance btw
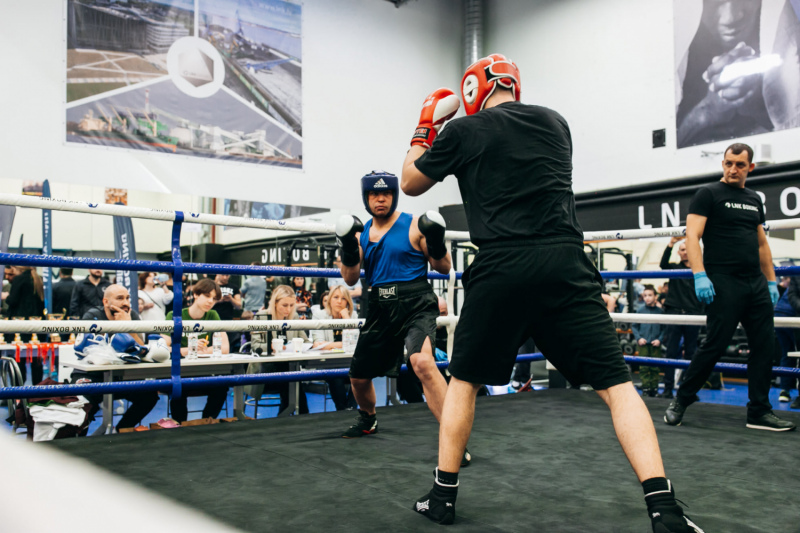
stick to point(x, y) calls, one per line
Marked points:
point(788, 306)
point(116, 305)
point(62, 291)
point(681, 300)
point(88, 293)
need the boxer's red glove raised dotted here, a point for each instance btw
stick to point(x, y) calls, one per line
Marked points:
point(439, 107)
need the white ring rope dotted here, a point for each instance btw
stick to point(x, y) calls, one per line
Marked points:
point(203, 326)
point(619, 235)
point(37, 202)
point(166, 215)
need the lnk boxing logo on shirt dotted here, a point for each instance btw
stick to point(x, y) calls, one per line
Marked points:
point(387, 293)
point(746, 207)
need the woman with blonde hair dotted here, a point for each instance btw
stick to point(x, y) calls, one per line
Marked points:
point(340, 307)
point(282, 306)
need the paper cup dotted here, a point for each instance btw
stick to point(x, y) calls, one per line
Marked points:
point(298, 345)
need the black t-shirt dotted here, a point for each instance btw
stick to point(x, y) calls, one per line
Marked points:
point(513, 163)
point(730, 238)
point(225, 309)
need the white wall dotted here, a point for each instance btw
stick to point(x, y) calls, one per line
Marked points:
point(79, 231)
point(609, 68)
point(367, 68)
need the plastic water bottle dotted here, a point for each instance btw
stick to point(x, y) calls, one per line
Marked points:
point(192, 343)
point(217, 344)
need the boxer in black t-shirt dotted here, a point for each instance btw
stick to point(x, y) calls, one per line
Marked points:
point(735, 278)
point(513, 163)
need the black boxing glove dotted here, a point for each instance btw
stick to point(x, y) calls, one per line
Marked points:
point(346, 228)
point(432, 226)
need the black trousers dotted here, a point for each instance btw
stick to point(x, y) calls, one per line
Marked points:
point(214, 402)
point(673, 340)
point(141, 404)
point(37, 371)
point(742, 299)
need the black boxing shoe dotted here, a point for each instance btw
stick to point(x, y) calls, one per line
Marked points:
point(672, 520)
point(366, 424)
point(666, 516)
point(439, 505)
point(466, 459)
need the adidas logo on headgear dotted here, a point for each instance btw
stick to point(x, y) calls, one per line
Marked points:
point(380, 184)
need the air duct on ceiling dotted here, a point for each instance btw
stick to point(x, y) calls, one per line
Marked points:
point(473, 31)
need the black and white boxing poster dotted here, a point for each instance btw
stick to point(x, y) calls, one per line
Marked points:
point(737, 68)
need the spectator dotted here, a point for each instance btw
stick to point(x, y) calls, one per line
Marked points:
point(663, 292)
point(340, 306)
point(354, 290)
point(680, 300)
point(154, 297)
point(610, 301)
point(26, 293)
point(318, 310)
point(62, 291)
point(8, 275)
point(649, 337)
point(230, 301)
point(788, 306)
point(88, 293)
point(303, 297)
point(281, 306)
point(254, 290)
point(206, 294)
point(26, 299)
point(116, 305)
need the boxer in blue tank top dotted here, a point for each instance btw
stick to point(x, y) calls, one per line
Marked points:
point(394, 249)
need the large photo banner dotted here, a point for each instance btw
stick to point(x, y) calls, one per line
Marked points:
point(737, 68)
point(209, 78)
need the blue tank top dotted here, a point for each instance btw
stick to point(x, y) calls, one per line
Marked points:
point(392, 259)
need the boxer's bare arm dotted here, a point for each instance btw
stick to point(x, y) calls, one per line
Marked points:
point(413, 182)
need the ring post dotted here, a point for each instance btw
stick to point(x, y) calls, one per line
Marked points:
point(177, 305)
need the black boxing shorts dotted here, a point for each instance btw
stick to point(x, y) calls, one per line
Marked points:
point(399, 315)
point(545, 289)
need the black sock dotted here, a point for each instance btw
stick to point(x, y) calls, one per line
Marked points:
point(446, 478)
point(366, 414)
point(658, 493)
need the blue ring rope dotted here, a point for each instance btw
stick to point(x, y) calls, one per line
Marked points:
point(307, 375)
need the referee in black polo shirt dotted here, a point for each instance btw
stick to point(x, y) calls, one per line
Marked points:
point(735, 278)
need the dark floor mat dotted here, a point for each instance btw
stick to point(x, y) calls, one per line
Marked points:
point(544, 461)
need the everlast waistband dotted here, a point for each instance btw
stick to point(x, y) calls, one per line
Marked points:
point(401, 289)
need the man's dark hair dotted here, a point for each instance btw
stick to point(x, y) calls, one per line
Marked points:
point(649, 288)
point(65, 271)
point(206, 287)
point(738, 148)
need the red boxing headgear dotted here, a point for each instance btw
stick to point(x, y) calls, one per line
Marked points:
point(482, 77)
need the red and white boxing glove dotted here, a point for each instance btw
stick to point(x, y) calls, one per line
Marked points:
point(439, 107)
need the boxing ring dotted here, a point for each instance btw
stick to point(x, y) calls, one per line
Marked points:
point(546, 460)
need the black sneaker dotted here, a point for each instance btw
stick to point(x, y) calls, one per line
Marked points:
point(667, 395)
point(365, 425)
point(795, 404)
point(785, 396)
point(672, 520)
point(770, 422)
point(439, 505)
point(674, 414)
point(467, 458)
